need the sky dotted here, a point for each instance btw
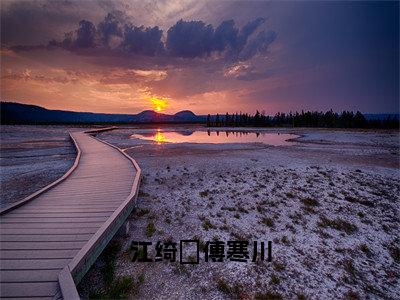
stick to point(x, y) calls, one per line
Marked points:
point(207, 57)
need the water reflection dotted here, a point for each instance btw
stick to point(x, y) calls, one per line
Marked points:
point(160, 138)
point(215, 137)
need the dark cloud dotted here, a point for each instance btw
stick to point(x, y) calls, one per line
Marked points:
point(111, 27)
point(196, 39)
point(258, 45)
point(185, 39)
point(86, 35)
point(190, 39)
point(226, 35)
point(249, 28)
point(142, 40)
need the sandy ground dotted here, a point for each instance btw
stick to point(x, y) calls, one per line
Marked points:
point(32, 157)
point(329, 204)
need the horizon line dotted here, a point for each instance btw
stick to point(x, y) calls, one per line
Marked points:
point(164, 113)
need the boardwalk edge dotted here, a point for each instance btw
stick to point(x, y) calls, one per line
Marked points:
point(85, 258)
point(47, 187)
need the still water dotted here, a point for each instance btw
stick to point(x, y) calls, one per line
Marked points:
point(216, 137)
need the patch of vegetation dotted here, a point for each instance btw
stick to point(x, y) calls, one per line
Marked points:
point(224, 227)
point(338, 224)
point(349, 267)
point(289, 195)
point(141, 278)
point(233, 291)
point(268, 222)
point(192, 258)
point(268, 296)
point(301, 296)
point(228, 208)
point(364, 248)
point(115, 288)
point(204, 193)
point(360, 201)
point(207, 225)
point(275, 279)
point(237, 216)
point(142, 211)
point(120, 288)
point(310, 202)
point(109, 257)
point(285, 240)
point(352, 295)
point(394, 252)
point(150, 229)
point(223, 286)
point(279, 266)
point(181, 269)
point(242, 210)
point(143, 194)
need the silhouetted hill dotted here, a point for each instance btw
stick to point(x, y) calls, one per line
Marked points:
point(16, 113)
point(185, 115)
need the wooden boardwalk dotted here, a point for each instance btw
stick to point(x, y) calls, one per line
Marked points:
point(48, 243)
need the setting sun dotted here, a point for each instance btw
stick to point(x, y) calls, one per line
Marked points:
point(159, 104)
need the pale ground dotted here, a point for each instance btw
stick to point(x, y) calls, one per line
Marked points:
point(32, 157)
point(329, 204)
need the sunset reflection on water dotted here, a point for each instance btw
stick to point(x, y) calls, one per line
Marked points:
point(159, 137)
point(216, 137)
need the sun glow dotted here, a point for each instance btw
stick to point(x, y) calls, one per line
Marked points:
point(159, 137)
point(159, 104)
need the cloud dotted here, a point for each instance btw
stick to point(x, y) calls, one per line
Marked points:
point(190, 39)
point(29, 75)
point(197, 39)
point(142, 40)
point(258, 45)
point(86, 35)
point(185, 39)
point(226, 35)
point(110, 28)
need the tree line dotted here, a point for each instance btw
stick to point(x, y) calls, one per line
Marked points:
point(329, 119)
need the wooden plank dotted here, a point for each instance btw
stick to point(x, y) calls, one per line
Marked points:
point(37, 254)
point(90, 194)
point(45, 238)
point(61, 214)
point(78, 205)
point(88, 209)
point(41, 245)
point(29, 289)
point(49, 225)
point(29, 275)
point(33, 264)
point(54, 220)
point(41, 231)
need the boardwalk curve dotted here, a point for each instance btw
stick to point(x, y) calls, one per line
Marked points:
point(50, 239)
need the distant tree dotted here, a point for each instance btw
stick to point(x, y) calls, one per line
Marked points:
point(328, 119)
point(208, 120)
point(359, 120)
point(227, 119)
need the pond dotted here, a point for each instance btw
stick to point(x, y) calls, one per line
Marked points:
point(216, 137)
